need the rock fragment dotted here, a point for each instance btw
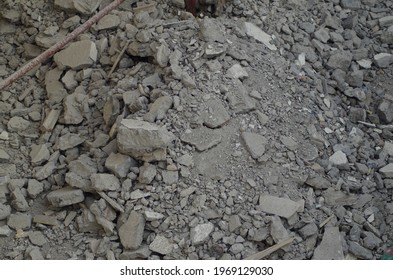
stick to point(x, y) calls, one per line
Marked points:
point(387, 171)
point(65, 196)
point(359, 251)
point(131, 232)
point(19, 221)
point(147, 172)
point(255, 144)
point(119, 164)
point(200, 233)
point(259, 35)
point(108, 22)
point(161, 245)
point(338, 158)
point(5, 211)
point(69, 141)
point(158, 109)
point(77, 55)
point(202, 138)
point(318, 182)
point(340, 60)
point(215, 115)
point(104, 182)
point(282, 207)
point(39, 154)
point(331, 246)
point(74, 105)
point(383, 60)
point(17, 124)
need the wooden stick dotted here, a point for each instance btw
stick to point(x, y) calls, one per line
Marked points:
point(59, 45)
point(270, 250)
point(118, 59)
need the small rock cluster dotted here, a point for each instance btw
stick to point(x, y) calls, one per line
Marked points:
point(160, 135)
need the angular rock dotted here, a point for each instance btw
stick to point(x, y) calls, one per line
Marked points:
point(65, 196)
point(119, 164)
point(5, 231)
point(5, 211)
point(46, 220)
point(153, 216)
point(215, 115)
point(201, 233)
point(359, 251)
point(54, 88)
point(340, 60)
point(147, 172)
point(39, 154)
point(170, 177)
point(387, 171)
point(338, 158)
point(77, 55)
point(318, 182)
point(202, 138)
point(4, 157)
point(69, 141)
point(255, 144)
point(331, 246)
point(277, 230)
point(158, 109)
point(74, 108)
point(259, 35)
point(308, 230)
point(289, 142)
point(19, 202)
point(385, 21)
point(19, 221)
point(137, 138)
point(131, 232)
point(104, 182)
point(282, 207)
point(383, 60)
point(238, 98)
point(212, 30)
point(385, 111)
point(161, 245)
point(37, 238)
point(108, 22)
point(234, 223)
point(80, 171)
point(162, 55)
point(350, 4)
point(237, 72)
point(17, 124)
point(34, 188)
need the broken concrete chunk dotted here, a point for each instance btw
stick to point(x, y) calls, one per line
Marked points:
point(39, 154)
point(383, 60)
point(387, 171)
point(65, 196)
point(162, 55)
point(282, 207)
point(277, 230)
point(136, 138)
point(85, 7)
point(202, 138)
point(34, 188)
point(69, 141)
point(215, 114)
point(108, 22)
point(318, 182)
point(212, 30)
point(238, 98)
point(17, 124)
point(104, 182)
point(19, 202)
point(158, 109)
point(77, 55)
point(50, 120)
point(161, 245)
point(19, 221)
point(170, 177)
point(4, 156)
point(153, 216)
point(331, 246)
point(259, 35)
point(119, 164)
point(74, 108)
point(37, 238)
point(234, 223)
point(5, 211)
point(237, 72)
point(340, 60)
point(255, 144)
point(147, 172)
point(338, 158)
point(131, 232)
point(201, 233)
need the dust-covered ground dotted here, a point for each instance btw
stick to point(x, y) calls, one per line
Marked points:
point(212, 137)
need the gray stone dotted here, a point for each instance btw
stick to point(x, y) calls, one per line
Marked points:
point(354, 233)
point(158, 109)
point(387, 171)
point(153, 216)
point(65, 196)
point(355, 78)
point(37, 238)
point(54, 88)
point(351, 4)
point(383, 60)
point(308, 230)
point(35, 254)
point(161, 245)
point(259, 35)
point(142, 252)
point(74, 106)
point(137, 138)
point(77, 55)
point(19, 221)
point(357, 114)
point(46, 170)
point(255, 144)
point(19, 202)
point(215, 115)
point(385, 111)
point(170, 177)
point(385, 21)
point(108, 22)
point(282, 207)
point(234, 223)
point(212, 30)
point(147, 172)
point(69, 141)
point(162, 55)
point(86, 7)
point(340, 59)
point(318, 182)
point(237, 72)
point(104, 182)
point(359, 251)
point(330, 247)
point(119, 164)
point(5, 211)
point(4, 157)
point(17, 124)
point(322, 34)
point(277, 230)
point(201, 233)
point(388, 148)
point(131, 232)
point(236, 248)
point(39, 154)
point(238, 97)
point(80, 171)
point(371, 241)
point(202, 138)
point(289, 143)
point(5, 231)
point(338, 158)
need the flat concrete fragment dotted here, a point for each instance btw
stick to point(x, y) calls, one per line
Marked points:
point(385, 21)
point(340, 60)
point(255, 144)
point(131, 232)
point(331, 246)
point(383, 60)
point(77, 55)
point(108, 22)
point(259, 35)
point(158, 109)
point(4, 156)
point(282, 207)
point(5, 211)
point(338, 158)
point(201, 233)
point(65, 196)
point(161, 245)
point(237, 72)
point(50, 120)
point(202, 138)
point(387, 171)
point(136, 138)
point(147, 173)
point(37, 238)
point(238, 97)
point(215, 114)
point(170, 177)
point(39, 154)
point(5, 230)
point(74, 105)
point(17, 124)
point(119, 164)
point(318, 183)
point(69, 141)
point(277, 230)
point(104, 182)
point(54, 88)
point(19, 221)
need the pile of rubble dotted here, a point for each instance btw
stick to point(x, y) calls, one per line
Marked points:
point(160, 135)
